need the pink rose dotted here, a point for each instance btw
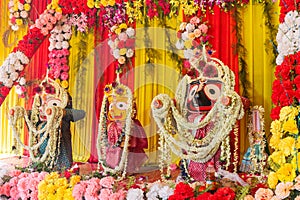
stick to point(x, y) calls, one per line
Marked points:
point(107, 182)
point(195, 20)
point(4, 189)
point(44, 31)
point(22, 184)
point(65, 68)
point(14, 173)
point(79, 190)
point(123, 36)
point(203, 28)
point(14, 193)
point(64, 76)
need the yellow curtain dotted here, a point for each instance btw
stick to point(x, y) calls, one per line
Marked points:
point(11, 39)
point(260, 68)
point(81, 87)
point(151, 79)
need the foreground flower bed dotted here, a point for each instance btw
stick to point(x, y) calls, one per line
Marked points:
point(28, 184)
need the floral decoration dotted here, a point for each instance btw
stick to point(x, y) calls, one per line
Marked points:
point(58, 55)
point(122, 43)
point(287, 6)
point(288, 36)
point(18, 13)
point(284, 161)
point(47, 21)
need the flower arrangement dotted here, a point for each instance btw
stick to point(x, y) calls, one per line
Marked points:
point(288, 36)
point(113, 15)
point(47, 21)
point(22, 185)
point(55, 186)
point(18, 13)
point(284, 161)
point(122, 42)
point(58, 55)
point(192, 36)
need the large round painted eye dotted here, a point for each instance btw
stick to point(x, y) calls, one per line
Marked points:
point(192, 92)
point(122, 105)
point(212, 91)
point(54, 102)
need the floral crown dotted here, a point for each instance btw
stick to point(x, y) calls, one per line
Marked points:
point(115, 89)
point(51, 87)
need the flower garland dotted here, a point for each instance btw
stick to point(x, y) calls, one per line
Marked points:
point(102, 142)
point(288, 36)
point(18, 13)
point(222, 115)
point(49, 130)
point(192, 36)
point(122, 43)
point(58, 55)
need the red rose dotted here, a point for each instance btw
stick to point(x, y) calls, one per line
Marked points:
point(184, 190)
point(121, 44)
point(225, 193)
point(130, 43)
point(67, 174)
point(4, 91)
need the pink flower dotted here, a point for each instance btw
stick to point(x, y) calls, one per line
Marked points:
point(263, 193)
point(23, 184)
point(283, 190)
point(79, 190)
point(4, 189)
point(64, 76)
point(195, 20)
point(203, 28)
point(14, 193)
point(123, 36)
point(14, 173)
point(105, 194)
point(107, 182)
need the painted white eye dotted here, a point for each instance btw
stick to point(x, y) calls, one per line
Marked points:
point(122, 105)
point(54, 102)
point(212, 91)
point(110, 106)
point(192, 92)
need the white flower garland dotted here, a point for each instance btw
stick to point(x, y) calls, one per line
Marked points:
point(51, 129)
point(222, 116)
point(102, 136)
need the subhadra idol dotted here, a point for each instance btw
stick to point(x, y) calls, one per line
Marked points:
point(121, 138)
point(196, 126)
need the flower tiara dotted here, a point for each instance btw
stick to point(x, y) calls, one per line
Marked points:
point(115, 89)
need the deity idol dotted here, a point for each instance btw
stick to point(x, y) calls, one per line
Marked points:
point(49, 125)
point(196, 126)
point(122, 139)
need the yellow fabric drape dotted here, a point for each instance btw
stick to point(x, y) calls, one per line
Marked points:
point(150, 80)
point(6, 135)
point(81, 86)
point(259, 62)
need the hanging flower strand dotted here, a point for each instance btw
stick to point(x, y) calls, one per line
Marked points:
point(18, 13)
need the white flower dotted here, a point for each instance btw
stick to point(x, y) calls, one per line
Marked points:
point(22, 57)
point(15, 27)
point(179, 44)
point(66, 28)
point(165, 192)
point(20, 6)
point(19, 66)
point(185, 36)
point(136, 194)
point(283, 190)
point(59, 37)
point(189, 53)
point(22, 81)
point(129, 53)
point(111, 44)
point(116, 53)
point(190, 27)
point(9, 69)
point(65, 44)
point(13, 76)
point(130, 32)
point(58, 45)
point(123, 36)
point(67, 36)
point(8, 83)
point(24, 14)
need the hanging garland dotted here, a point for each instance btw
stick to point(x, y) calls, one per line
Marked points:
point(18, 13)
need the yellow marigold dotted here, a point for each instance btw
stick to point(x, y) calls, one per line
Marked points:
point(51, 197)
point(276, 128)
point(50, 189)
point(278, 157)
point(104, 3)
point(274, 141)
point(74, 180)
point(19, 22)
point(287, 145)
point(286, 173)
point(64, 84)
point(52, 175)
point(290, 126)
point(15, 8)
point(272, 180)
point(188, 44)
point(68, 194)
point(111, 2)
point(288, 112)
point(42, 185)
point(123, 26)
point(123, 51)
point(27, 7)
point(61, 182)
point(118, 31)
point(90, 3)
point(97, 4)
point(298, 143)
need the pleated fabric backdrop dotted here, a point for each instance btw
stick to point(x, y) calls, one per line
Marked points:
point(89, 75)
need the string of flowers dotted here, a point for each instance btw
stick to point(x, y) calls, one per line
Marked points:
point(58, 52)
point(122, 42)
point(18, 13)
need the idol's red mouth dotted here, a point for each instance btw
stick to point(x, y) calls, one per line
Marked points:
point(116, 117)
